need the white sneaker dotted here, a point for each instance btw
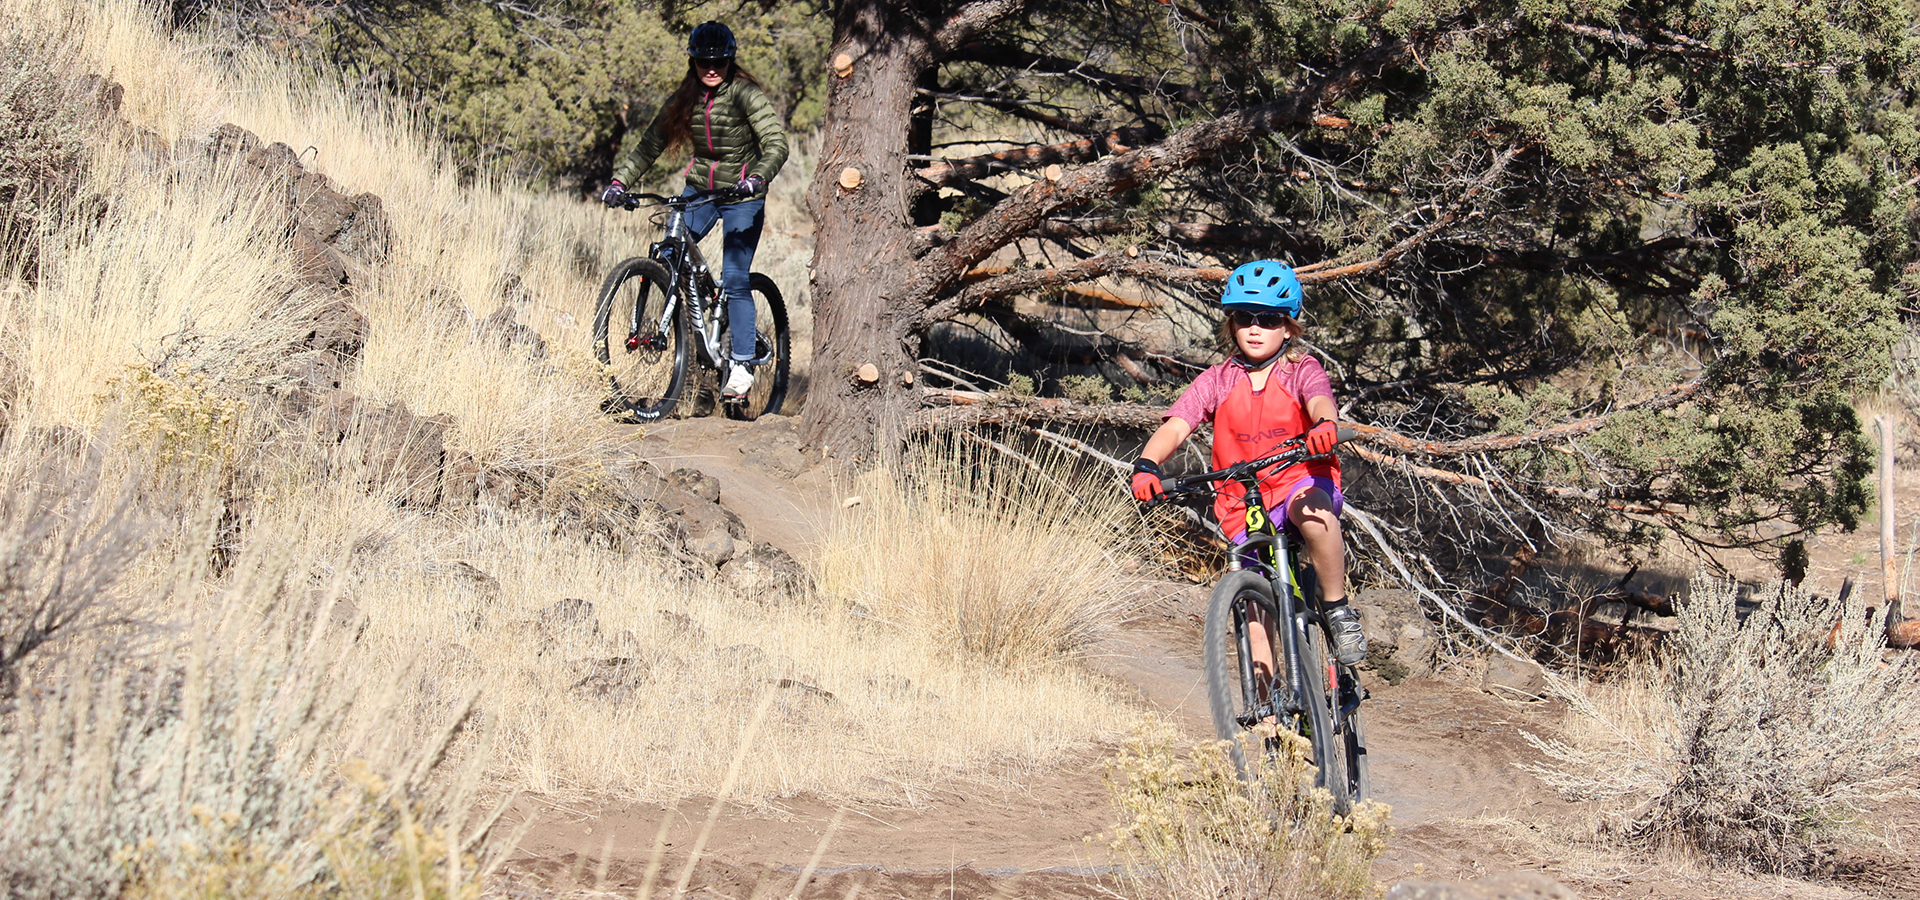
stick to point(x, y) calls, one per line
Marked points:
point(739, 381)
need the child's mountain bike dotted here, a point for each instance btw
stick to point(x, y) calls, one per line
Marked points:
point(1268, 608)
point(651, 305)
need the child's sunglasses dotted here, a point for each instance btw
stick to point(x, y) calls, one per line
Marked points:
point(1270, 321)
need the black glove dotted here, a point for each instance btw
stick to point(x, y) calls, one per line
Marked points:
point(615, 194)
point(750, 185)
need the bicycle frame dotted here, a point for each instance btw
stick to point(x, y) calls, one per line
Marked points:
point(1273, 549)
point(688, 278)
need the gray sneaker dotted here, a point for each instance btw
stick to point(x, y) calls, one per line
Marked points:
point(1349, 639)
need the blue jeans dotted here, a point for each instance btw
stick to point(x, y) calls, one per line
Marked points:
point(740, 225)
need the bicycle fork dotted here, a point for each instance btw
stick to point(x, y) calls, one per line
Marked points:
point(655, 340)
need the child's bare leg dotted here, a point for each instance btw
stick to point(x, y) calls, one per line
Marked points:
point(1311, 511)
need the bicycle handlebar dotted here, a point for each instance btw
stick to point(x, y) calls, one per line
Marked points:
point(632, 200)
point(1291, 453)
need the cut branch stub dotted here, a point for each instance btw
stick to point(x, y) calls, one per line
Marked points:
point(843, 66)
point(868, 373)
point(850, 178)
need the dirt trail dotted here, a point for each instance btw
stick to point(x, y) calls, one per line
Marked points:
point(1446, 757)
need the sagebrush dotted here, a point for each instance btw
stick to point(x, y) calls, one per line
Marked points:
point(1759, 736)
point(1193, 827)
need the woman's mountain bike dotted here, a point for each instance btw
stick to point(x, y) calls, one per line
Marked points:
point(650, 306)
point(1267, 609)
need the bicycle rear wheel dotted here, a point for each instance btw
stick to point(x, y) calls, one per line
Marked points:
point(645, 358)
point(773, 343)
point(1240, 692)
point(1320, 685)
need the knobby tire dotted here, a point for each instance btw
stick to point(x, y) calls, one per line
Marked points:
point(1233, 687)
point(774, 334)
point(1322, 699)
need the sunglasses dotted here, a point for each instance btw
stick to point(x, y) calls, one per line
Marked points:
point(1270, 321)
point(704, 63)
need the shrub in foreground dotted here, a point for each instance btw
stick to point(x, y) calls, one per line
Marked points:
point(1193, 828)
point(1757, 739)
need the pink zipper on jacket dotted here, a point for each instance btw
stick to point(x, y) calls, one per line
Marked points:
point(713, 166)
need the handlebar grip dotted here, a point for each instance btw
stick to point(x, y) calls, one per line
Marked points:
point(1345, 434)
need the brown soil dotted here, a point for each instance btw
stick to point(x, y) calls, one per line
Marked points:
point(1446, 756)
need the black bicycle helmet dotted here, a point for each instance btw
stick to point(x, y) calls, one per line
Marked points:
point(711, 40)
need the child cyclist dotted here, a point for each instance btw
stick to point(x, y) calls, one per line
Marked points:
point(1272, 390)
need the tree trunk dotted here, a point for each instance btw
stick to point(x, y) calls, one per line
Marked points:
point(864, 237)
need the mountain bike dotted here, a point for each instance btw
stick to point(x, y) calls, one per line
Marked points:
point(668, 296)
point(1270, 597)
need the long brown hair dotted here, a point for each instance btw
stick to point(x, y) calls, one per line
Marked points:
point(676, 118)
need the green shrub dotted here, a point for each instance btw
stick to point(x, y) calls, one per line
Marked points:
point(1086, 389)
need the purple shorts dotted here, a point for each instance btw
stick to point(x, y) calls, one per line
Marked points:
point(1312, 481)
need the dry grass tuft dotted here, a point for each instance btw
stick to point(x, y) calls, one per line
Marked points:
point(1757, 739)
point(48, 121)
point(1008, 559)
point(1193, 828)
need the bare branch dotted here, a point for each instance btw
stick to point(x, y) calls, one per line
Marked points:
point(960, 408)
point(1019, 214)
point(945, 172)
point(1001, 55)
point(970, 21)
point(1326, 271)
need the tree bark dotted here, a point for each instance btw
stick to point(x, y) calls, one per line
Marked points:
point(864, 235)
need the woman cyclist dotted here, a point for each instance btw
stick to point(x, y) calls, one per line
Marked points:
point(1271, 391)
point(720, 112)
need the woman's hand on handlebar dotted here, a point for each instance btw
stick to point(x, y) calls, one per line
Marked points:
point(615, 194)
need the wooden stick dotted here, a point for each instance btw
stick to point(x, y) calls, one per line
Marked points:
point(1889, 573)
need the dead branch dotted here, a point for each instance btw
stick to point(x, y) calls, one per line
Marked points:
point(1315, 273)
point(946, 172)
point(1444, 476)
point(1011, 57)
point(1091, 296)
point(995, 284)
point(1371, 527)
point(1034, 203)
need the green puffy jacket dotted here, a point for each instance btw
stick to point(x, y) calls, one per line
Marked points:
point(736, 133)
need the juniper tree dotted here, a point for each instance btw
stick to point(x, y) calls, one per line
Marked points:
point(1617, 265)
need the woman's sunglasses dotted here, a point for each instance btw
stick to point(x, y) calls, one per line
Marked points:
point(711, 63)
point(1270, 321)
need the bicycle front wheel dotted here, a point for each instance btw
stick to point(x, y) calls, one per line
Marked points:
point(640, 344)
point(1242, 687)
point(772, 346)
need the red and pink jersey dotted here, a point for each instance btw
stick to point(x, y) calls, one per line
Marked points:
point(1249, 424)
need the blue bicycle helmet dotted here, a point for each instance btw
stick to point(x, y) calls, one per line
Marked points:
point(1264, 284)
point(711, 40)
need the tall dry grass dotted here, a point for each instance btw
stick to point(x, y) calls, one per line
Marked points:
point(171, 713)
point(150, 346)
point(1758, 738)
point(1005, 557)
